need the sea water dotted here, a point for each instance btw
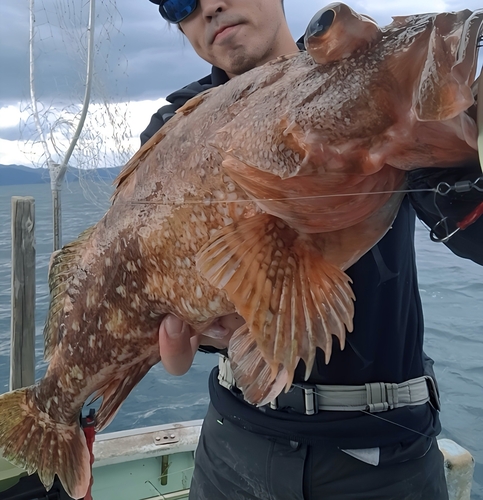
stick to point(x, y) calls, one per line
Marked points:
point(451, 289)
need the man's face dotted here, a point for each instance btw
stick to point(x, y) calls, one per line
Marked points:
point(238, 35)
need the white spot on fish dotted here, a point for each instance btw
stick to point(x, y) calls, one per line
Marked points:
point(131, 266)
point(76, 372)
point(219, 195)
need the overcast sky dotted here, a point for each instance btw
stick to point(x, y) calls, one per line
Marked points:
point(139, 59)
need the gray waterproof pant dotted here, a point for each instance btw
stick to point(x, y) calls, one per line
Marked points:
point(234, 464)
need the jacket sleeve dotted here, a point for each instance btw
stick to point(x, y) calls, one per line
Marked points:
point(157, 121)
point(176, 100)
point(431, 207)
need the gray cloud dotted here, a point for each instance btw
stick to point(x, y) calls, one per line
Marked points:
point(146, 60)
point(10, 133)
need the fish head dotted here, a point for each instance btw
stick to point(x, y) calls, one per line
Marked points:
point(336, 32)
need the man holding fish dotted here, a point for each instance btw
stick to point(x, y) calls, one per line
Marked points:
point(364, 425)
point(285, 195)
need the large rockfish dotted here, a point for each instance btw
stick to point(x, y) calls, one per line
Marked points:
point(253, 199)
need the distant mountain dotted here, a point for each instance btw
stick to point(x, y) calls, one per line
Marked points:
point(18, 174)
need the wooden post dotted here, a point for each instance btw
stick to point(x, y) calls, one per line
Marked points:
point(22, 353)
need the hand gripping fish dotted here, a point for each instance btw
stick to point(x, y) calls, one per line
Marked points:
point(253, 199)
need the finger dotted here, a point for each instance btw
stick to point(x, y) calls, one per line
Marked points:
point(175, 346)
point(219, 333)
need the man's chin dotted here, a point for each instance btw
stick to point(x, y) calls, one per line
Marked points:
point(240, 63)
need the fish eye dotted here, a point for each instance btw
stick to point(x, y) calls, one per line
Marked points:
point(320, 23)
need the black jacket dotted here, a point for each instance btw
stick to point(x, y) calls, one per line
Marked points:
point(387, 342)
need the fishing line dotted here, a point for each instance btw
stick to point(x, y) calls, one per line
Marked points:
point(288, 198)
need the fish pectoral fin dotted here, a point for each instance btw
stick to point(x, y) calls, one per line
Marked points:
point(292, 299)
point(63, 265)
point(32, 440)
point(117, 389)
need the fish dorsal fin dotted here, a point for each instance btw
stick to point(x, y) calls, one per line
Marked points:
point(292, 299)
point(192, 104)
point(133, 164)
point(63, 265)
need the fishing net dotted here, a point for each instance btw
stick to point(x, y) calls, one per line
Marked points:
point(52, 115)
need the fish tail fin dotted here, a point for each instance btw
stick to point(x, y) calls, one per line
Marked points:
point(30, 439)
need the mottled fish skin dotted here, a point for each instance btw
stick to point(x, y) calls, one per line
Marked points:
point(254, 198)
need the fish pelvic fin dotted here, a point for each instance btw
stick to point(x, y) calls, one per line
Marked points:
point(30, 439)
point(292, 299)
point(259, 382)
point(63, 265)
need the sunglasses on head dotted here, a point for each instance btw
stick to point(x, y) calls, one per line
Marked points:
point(175, 11)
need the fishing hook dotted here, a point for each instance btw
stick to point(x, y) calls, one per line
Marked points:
point(443, 188)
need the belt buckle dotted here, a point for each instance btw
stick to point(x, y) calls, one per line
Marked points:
point(433, 393)
point(381, 396)
point(301, 398)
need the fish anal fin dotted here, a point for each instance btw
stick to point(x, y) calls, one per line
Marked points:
point(292, 299)
point(117, 389)
point(30, 439)
point(64, 263)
